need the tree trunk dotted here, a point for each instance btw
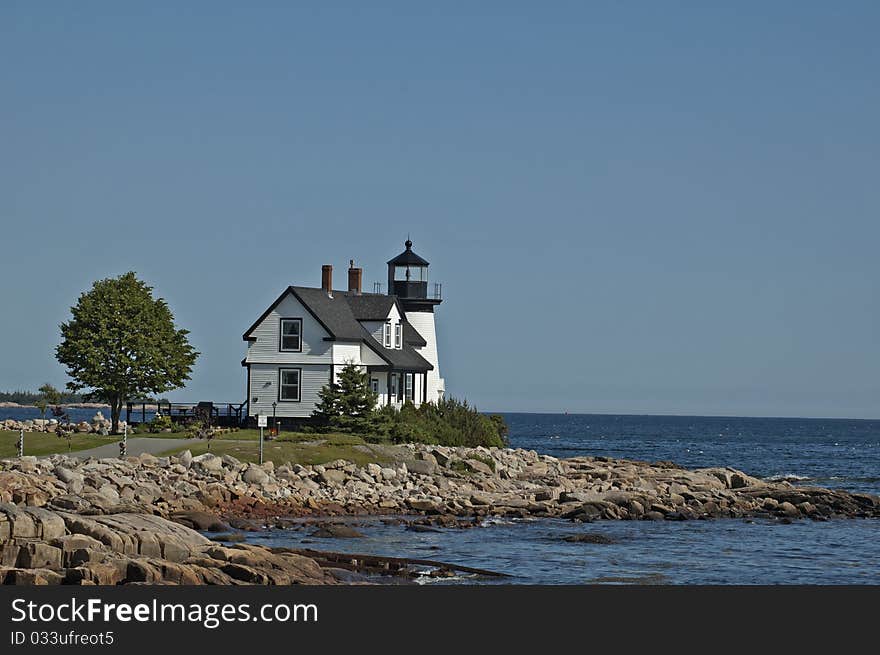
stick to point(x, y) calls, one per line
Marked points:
point(115, 411)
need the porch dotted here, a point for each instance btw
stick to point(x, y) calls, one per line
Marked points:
point(397, 386)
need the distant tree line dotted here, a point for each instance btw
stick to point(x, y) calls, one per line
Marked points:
point(33, 397)
point(63, 398)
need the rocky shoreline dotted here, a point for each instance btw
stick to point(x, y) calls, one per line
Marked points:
point(137, 520)
point(98, 425)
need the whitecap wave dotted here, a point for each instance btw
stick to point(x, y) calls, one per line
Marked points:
point(787, 477)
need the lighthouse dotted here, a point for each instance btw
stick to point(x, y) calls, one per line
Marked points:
point(408, 281)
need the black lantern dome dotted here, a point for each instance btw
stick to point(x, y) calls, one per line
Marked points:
point(408, 280)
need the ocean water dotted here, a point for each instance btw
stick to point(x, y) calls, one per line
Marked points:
point(839, 453)
point(834, 453)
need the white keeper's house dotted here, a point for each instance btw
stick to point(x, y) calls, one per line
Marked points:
point(305, 338)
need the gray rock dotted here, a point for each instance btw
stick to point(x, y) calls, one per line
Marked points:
point(424, 505)
point(38, 555)
point(255, 475)
point(336, 531)
point(421, 467)
point(208, 461)
point(477, 499)
point(185, 458)
point(109, 492)
point(476, 466)
point(66, 475)
point(204, 521)
point(333, 476)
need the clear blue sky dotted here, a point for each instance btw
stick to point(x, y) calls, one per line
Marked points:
point(664, 207)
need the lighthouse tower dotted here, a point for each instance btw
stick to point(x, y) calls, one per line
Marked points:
point(408, 280)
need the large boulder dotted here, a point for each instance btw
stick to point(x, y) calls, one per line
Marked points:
point(478, 466)
point(185, 458)
point(422, 467)
point(255, 475)
point(139, 534)
point(204, 521)
point(208, 462)
point(333, 476)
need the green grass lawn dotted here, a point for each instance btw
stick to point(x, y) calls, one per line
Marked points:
point(239, 435)
point(254, 435)
point(41, 443)
point(291, 447)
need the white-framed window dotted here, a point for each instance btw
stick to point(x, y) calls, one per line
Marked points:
point(374, 385)
point(291, 335)
point(398, 338)
point(387, 335)
point(289, 385)
point(408, 386)
point(394, 385)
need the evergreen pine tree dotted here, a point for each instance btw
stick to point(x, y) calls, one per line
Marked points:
point(348, 404)
point(327, 408)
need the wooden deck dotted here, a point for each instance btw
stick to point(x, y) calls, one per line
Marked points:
point(222, 414)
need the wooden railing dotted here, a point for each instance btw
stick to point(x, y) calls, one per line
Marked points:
point(222, 414)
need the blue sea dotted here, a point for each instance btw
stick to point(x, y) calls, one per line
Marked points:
point(838, 453)
point(76, 414)
point(834, 453)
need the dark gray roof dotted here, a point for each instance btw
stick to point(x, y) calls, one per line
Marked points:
point(408, 257)
point(410, 335)
point(331, 311)
point(340, 314)
point(370, 306)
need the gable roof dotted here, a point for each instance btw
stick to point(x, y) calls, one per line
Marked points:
point(340, 314)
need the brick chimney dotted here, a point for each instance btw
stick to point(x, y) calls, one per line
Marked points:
point(327, 279)
point(354, 278)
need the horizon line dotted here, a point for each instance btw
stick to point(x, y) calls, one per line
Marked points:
point(675, 415)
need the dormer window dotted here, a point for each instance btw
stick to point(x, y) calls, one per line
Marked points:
point(398, 340)
point(387, 335)
point(291, 335)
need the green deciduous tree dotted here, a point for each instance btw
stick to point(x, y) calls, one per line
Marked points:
point(121, 342)
point(49, 395)
point(347, 405)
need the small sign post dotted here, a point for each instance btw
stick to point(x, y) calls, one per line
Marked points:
point(261, 422)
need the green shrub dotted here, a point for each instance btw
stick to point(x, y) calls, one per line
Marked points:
point(160, 423)
point(449, 422)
